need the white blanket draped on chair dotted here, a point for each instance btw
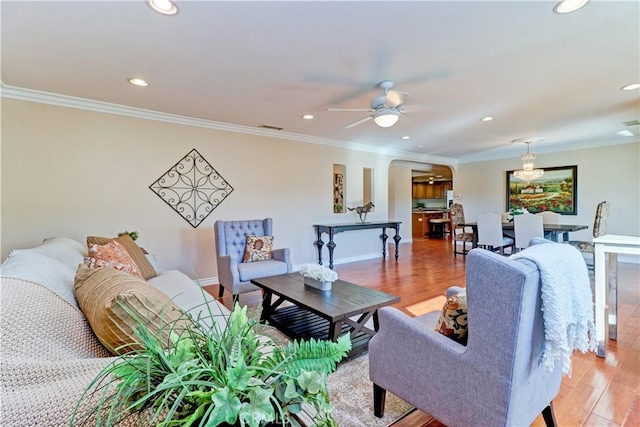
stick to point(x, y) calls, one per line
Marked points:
point(567, 302)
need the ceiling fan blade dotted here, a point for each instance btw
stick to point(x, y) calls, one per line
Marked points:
point(356, 123)
point(419, 108)
point(351, 109)
point(394, 98)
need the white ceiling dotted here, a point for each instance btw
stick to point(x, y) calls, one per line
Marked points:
point(267, 63)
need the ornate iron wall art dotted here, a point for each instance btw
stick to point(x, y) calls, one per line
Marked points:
point(192, 187)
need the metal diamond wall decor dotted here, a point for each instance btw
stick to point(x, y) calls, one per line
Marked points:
point(192, 187)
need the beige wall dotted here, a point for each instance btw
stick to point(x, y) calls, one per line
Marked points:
point(605, 173)
point(69, 172)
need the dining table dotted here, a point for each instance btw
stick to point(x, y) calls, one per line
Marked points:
point(551, 231)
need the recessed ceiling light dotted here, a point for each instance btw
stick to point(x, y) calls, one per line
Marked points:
point(625, 133)
point(567, 6)
point(486, 119)
point(307, 116)
point(419, 146)
point(632, 86)
point(165, 7)
point(406, 137)
point(138, 82)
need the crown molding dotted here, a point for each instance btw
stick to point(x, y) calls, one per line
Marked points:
point(30, 95)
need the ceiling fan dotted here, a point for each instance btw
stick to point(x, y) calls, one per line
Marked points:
point(386, 108)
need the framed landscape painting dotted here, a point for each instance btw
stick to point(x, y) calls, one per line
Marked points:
point(555, 191)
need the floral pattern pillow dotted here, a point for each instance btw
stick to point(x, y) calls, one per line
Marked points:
point(112, 255)
point(453, 320)
point(259, 248)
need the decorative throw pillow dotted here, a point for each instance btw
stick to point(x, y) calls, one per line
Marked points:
point(112, 255)
point(108, 298)
point(453, 320)
point(259, 248)
point(145, 267)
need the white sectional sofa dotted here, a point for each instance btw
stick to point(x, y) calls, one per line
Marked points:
point(49, 353)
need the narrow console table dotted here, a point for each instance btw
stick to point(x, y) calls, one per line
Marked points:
point(332, 229)
point(606, 284)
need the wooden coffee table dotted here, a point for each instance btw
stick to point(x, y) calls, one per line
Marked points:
point(322, 314)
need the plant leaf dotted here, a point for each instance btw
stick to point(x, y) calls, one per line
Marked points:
point(259, 410)
point(226, 408)
point(311, 381)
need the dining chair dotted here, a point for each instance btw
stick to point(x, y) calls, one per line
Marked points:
point(599, 229)
point(459, 234)
point(549, 217)
point(526, 227)
point(490, 234)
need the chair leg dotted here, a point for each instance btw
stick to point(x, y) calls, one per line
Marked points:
point(220, 291)
point(549, 416)
point(379, 395)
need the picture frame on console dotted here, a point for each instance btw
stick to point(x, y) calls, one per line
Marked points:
point(555, 191)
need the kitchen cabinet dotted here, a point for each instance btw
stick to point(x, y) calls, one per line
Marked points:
point(417, 225)
point(429, 191)
point(420, 222)
point(419, 190)
point(440, 191)
point(437, 190)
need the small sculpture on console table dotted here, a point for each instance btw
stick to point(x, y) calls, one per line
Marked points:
point(363, 210)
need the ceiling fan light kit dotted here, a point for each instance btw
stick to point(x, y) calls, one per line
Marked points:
point(165, 7)
point(386, 108)
point(568, 6)
point(386, 118)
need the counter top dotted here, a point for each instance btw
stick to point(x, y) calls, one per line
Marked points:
point(428, 211)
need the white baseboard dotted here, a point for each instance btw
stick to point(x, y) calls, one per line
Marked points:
point(207, 281)
point(338, 261)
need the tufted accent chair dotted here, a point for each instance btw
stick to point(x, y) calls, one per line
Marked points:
point(235, 275)
point(497, 379)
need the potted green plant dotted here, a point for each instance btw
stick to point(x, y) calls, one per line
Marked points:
point(211, 377)
point(133, 234)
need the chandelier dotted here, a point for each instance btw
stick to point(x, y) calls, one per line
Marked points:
point(528, 172)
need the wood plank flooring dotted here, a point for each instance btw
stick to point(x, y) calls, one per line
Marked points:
point(600, 392)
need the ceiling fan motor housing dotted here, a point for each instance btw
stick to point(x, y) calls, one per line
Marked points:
point(378, 102)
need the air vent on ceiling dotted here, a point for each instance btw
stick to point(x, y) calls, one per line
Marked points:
point(632, 123)
point(270, 127)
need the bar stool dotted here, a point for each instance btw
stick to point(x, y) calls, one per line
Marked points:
point(437, 226)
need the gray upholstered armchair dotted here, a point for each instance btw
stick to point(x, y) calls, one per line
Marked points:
point(234, 274)
point(497, 379)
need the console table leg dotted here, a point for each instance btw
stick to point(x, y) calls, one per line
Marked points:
point(397, 238)
point(319, 243)
point(331, 245)
point(384, 236)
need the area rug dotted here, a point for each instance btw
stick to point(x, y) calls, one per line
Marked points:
point(351, 394)
point(350, 390)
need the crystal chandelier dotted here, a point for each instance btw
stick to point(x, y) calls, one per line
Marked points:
point(528, 172)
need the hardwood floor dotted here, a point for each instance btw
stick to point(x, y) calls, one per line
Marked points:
point(600, 392)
